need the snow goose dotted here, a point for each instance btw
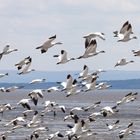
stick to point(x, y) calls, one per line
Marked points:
point(92, 84)
point(68, 84)
point(3, 74)
point(36, 81)
point(90, 50)
point(109, 111)
point(35, 94)
point(73, 90)
point(103, 86)
point(136, 52)
point(20, 64)
point(26, 69)
point(55, 135)
point(93, 106)
point(125, 132)
point(13, 88)
point(53, 89)
point(25, 103)
point(63, 57)
point(7, 50)
point(122, 30)
point(113, 126)
point(126, 35)
point(123, 62)
point(84, 72)
point(48, 44)
point(90, 36)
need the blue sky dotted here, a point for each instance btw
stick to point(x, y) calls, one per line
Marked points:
point(26, 24)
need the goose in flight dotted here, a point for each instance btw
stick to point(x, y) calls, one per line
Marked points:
point(26, 69)
point(3, 74)
point(123, 62)
point(113, 126)
point(90, 50)
point(125, 132)
point(84, 72)
point(25, 103)
point(91, 36)
point(55, 135)
point(63, 57)
point(136, 52)
point(7, 50)
point(35, 81)
point(125, 33)
point(68, 84)
point(35, 94)
point(48, 44)
point(20, 64)
point(103, 85)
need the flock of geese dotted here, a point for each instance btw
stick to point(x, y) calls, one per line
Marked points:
point(31, 116)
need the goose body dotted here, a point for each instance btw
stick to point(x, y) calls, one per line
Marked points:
point(90, 50)
point(48, 44)
point(35, 81)
point(63, 57)
point(3, 75)
point(123, 62)
point(7, 50)
point(136, 52)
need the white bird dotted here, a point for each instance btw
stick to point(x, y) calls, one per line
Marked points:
point(93, 106)
point(127, 98)
point(35, 94)
point(3, 74)
point(136, 52)
point(25, 103)
point(53, 89)
point(13, 88)
point(90, 50)
point(109, 111)
point(55, 135)
point(26, 69)
point(84, 72)
point(103, 86)
point(73, 90)
point(7, 50)
point(68, 84)
point(125, 33)
point(48, 44)
point(113, 126)
point(123, 62)
point(90, 36)
point(125, 132)
point(20, 64)
point(92, 84)
point(36, 81)
point(63, 57)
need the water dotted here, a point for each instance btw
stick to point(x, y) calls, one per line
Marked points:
point(127, 113)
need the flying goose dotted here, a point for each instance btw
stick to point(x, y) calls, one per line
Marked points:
point(26, 69)
point(90, 50)
point(55, 135)
point(35, 81)
point(48, 44)
point(123, 62)
point(125, 33)
point(63, 57)
point(7, 50)
point(25, 103)
point(20, 64)
point(103, 86)
point(90, 36)
point(35, 94)
point(84, 72)
point(68, 84)
point(13, 88)
point(125, 132)
point(92, 84)
point(113, 126)
point(3, 74)
point(136, 52)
